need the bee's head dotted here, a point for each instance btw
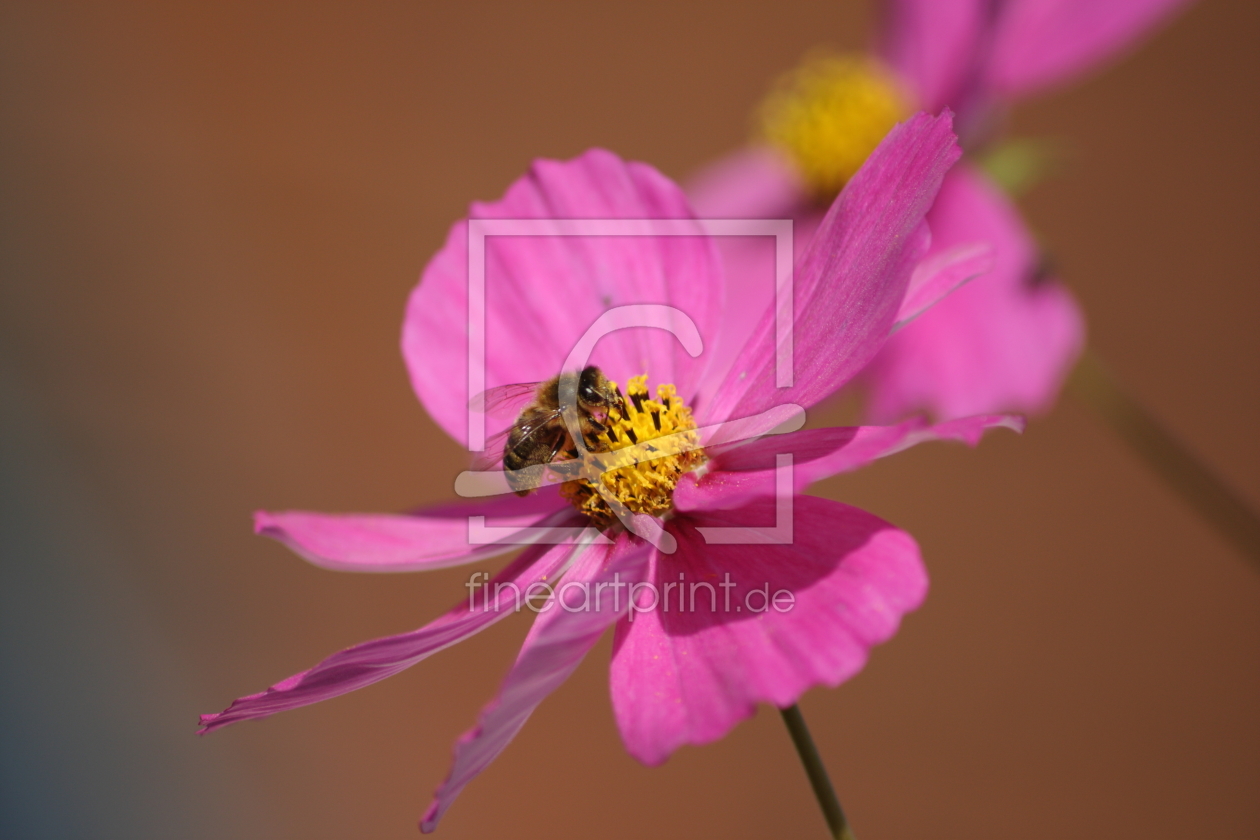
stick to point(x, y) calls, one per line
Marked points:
point(595, 393)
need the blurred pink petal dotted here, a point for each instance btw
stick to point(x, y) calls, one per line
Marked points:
point(968, 430)
point(688, 676)
point(576, 615)
point(544, 291)
point(968, 54)
point(864, 449)
point(370, 662)
point(940, 274)
point(1040, 43)
point(409, 542)
point(757, 182)
point(1003, 342)
point(749, 266)
point(933, 46)
point(862, 444)
point(851, 281)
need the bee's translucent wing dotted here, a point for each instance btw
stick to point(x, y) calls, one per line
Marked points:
point(505, 401)
point(491, 457)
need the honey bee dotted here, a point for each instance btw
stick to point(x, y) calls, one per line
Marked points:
point(539, 434)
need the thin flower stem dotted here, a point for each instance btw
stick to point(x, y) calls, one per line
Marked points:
point(1215, 501)
point(823, 791)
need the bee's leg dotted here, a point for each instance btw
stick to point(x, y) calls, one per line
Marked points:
point(591, 431)
point(557, 444)
point(593, 442)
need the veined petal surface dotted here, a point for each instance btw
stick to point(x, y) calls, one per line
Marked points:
point(1003, 342)
point(422, 540)
point(688, 674)
point(543, 291)
point(852, 279)
point(568, 626)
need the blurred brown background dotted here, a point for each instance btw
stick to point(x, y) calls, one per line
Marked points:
point(212, 215)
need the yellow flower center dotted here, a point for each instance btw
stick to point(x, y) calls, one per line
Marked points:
point(829, 114)
point(638, 460)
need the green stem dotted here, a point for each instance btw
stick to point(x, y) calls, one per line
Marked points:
point(823, 791)
point(1215, 501)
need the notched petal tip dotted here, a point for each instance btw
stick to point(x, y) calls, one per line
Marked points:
point(1017, 423)
point(942, 121)
point(369, 662)
point(688, 676)
point(265, 524)
point(428, 823)
point(968, 430)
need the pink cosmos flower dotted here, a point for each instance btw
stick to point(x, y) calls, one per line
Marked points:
point(976, 56)
point(1007, 340)
point(808, 585)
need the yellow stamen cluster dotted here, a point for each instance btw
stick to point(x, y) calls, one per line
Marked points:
point(829, 114)
point(641, 456)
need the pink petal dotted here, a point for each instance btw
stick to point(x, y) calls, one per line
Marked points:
point(806, 446)
point(427, 539)
point(739, 473)
point(559, 639)
point(542, 292)
point(853, 278)
point(1039, 43)
point(932, 45)
point(756, 182)
point(370, 662)
point(941, 274)
point(1003, 342)
point(875, 442)
point(749, 265)
point(687, 676)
